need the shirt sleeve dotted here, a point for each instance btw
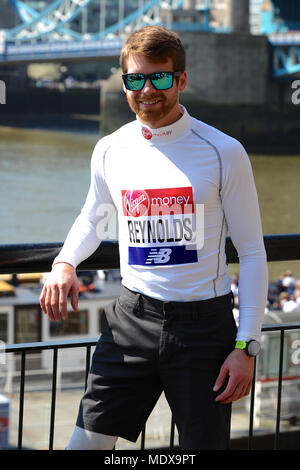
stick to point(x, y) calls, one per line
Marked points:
point(241, 210)
point(91, 225)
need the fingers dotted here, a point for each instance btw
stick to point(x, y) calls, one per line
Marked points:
point(240, 392)
point(49, 302)
point(74, 299)
point(54, 296)
point(63, 302)
point(221, 379)
point(53, 301)
point(231, 393)
point(234, 391)
point(238, 370)
point(42, 299)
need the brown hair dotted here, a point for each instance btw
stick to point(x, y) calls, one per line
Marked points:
point(157, 43)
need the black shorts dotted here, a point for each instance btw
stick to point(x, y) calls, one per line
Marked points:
point(148, 346)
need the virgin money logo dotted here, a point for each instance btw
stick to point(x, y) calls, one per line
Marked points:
point(156, 202)
point(146, 133)
point(136, 202)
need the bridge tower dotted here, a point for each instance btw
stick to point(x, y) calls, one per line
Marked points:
point(14, 77)
point(239, 12)
point(8, 16)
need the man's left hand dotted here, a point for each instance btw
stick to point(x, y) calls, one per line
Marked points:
point(239, 368)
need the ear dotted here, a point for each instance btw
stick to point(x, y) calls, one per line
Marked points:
point(124, 88)
point(182, 81)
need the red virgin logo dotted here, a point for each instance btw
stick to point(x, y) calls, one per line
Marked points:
point(136, 202)
point(146, 133)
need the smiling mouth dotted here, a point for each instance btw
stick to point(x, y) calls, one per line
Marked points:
point(149, 103)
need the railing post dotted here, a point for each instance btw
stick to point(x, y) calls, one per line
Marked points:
point(252, 399)
point(21, 405)
point(276, 443)
point(53, 399)
point(87, 364)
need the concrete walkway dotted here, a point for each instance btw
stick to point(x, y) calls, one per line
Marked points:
point(37, 409)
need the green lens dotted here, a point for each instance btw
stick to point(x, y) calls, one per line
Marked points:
point(162, 80)
point(135, 81)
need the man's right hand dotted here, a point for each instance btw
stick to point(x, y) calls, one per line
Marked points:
point(53, 299)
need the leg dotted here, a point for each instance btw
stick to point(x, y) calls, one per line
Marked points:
point(202, 423)
point(123, 384)
point(194, 349)
point(83, 439)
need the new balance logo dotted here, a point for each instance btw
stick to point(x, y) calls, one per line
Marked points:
point(158, 256)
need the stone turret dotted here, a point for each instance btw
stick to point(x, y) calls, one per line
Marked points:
point(240, 16)
point(8, 16)
point(14, 77)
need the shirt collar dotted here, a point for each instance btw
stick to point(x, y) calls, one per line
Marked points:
point(168, 133)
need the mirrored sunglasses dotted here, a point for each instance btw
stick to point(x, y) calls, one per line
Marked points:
point(159, 80)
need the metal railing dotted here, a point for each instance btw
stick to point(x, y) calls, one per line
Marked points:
point(281, 327)
point(30, 258)
point(25, 348)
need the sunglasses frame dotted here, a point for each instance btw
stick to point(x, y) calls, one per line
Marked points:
point(146, 76)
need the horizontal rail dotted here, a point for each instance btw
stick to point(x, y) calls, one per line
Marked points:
point(71, 343)
point(41, 346)
point(38, 257)
point(281, 326)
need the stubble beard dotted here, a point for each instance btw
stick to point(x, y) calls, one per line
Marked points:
point(152, 116)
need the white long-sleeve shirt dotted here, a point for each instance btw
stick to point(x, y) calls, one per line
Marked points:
point(177, 191)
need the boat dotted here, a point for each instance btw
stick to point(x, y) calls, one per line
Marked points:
point(22, 321)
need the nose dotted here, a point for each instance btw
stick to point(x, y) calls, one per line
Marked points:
point(148, 87)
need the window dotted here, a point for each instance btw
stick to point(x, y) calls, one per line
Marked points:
point(27, 324)
point(4, 327)
point(76, 324)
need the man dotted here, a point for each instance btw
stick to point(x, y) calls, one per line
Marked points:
point(177, 185)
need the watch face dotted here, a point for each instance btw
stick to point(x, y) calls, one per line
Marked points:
point(253, 348)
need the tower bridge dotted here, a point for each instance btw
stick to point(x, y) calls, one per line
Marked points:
point(228, 55)
point(49, 35)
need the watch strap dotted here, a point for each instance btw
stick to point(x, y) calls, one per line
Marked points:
point(241, 344)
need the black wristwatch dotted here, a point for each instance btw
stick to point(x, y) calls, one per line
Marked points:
point(251, 347)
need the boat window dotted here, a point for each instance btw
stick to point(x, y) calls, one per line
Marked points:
point(4, 327)
point(76, 324)
point(27, 324)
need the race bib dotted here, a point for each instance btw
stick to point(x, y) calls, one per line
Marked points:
point(163, 227)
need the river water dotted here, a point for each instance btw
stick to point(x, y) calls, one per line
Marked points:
point(44, 179)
